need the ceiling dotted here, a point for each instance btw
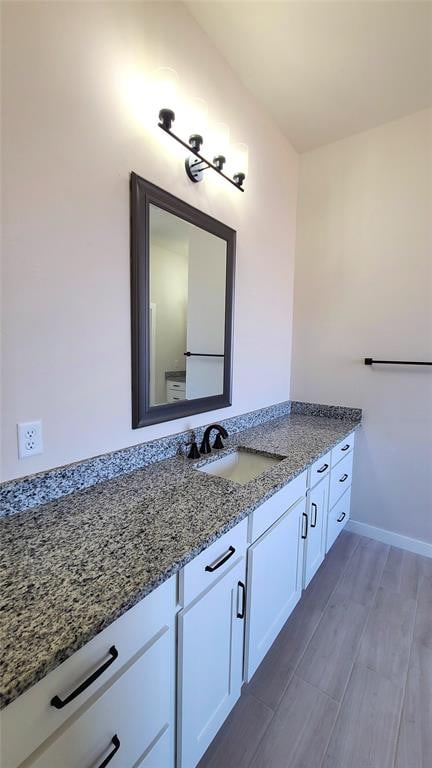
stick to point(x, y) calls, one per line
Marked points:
point(326, 70)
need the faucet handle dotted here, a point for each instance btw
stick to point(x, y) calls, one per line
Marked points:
point(205, 446)
point(193, 451)
point(218, 442)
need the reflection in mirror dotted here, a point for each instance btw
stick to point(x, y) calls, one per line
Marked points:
point(187, 271)
point(182, 300)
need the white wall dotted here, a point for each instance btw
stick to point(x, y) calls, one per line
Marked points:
point(73, 128)
point(168, 292)
point(363, 287)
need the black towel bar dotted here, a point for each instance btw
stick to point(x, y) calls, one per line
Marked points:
point(371, 361)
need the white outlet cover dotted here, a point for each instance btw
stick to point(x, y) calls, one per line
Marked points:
point(30, 442)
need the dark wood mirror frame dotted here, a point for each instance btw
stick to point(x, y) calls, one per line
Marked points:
point(143, 193)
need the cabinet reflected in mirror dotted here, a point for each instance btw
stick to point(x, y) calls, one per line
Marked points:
point(182, 296)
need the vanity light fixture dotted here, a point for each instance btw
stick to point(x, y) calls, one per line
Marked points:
point(197, 163)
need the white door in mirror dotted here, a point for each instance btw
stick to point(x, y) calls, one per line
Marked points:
point(30, 442)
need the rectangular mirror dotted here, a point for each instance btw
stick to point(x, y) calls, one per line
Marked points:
point(182, 280)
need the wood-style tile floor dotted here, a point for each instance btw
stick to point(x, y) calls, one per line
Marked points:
point(348, 682)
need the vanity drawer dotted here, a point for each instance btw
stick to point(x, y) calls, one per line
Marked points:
point(174, 394)
point(340, 479)
point(319, 469)
point(267, 513)
point(212, 563)
point(342, 449)
point(176, 386)
point(133, 710)
point(30, 719)
point(338, 518)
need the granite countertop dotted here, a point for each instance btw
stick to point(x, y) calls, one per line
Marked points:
point(176, 376)
point(72, 566)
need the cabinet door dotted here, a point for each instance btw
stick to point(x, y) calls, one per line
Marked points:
point(274, 579)
point(316, 510)
point(210, 647)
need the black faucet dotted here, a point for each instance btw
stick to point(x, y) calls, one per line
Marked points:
point(221, 432)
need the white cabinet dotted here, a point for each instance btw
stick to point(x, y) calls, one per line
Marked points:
point(271, 510)
point(127, 712)
point(207, 567)
point(339, 489)
point(175, 390)
point(340, 479)
point(123, 722)
point(319, 469)
point(210, 660)
point(131, 696)
point(342, 449)
point(338, 517)
point(315, 529)
point(274, 583)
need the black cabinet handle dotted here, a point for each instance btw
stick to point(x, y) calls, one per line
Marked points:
point(241, 614)
point(343, 478)
point(116, 742)
point(305, 533)
point(323, 469)
point(339, 519)
point(59, 703)
point(345, 448)
point(315, 509)
point(217, 563)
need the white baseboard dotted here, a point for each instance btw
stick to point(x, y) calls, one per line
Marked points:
point(388, 537)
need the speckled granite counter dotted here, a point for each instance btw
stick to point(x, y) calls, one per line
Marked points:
point(72, 566)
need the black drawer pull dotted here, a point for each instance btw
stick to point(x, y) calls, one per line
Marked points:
point(59, 703)
point(315, 509)
point(323, 469)
point(241, 614)
point(116, 742)
point(343, 478)
point(217, 563)
point(345, 448)
point(339, 519)
point(305, 531)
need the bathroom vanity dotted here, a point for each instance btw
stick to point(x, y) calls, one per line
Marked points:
point(197, 608)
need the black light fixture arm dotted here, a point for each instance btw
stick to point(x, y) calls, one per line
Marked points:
point(166, 118)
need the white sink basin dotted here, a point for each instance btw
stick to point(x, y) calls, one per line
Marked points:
point(240, 466)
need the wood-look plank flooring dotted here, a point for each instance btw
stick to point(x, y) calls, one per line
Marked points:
point(348, 681)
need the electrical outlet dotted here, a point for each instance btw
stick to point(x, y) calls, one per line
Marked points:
point(30, 441)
